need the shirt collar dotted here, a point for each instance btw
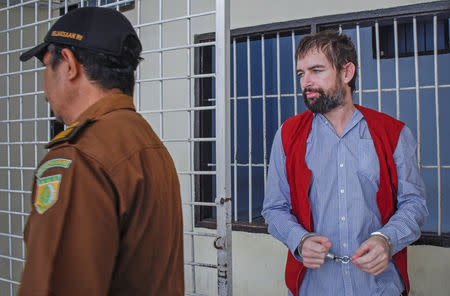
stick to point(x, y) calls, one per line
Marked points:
point(354, 120)
point(105, 105)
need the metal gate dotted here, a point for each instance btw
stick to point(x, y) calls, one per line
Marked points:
point(164, 95)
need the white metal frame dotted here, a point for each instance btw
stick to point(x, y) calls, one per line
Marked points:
point(222, 202)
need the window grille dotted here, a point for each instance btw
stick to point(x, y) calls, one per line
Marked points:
point(411, 86)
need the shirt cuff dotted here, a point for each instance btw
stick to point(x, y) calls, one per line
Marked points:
point(390, 233)
point(294, 238)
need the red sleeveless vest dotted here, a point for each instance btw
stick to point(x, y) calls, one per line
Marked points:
point(385, 132)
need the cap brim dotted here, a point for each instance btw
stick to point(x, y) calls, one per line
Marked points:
point(34, 52)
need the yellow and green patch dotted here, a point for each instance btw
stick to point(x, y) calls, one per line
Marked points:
point(47, 193)
point(57, 162)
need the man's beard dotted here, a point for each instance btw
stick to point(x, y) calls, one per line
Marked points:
point(325, 102)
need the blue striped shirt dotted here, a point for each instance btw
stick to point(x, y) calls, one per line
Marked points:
point(342, 194)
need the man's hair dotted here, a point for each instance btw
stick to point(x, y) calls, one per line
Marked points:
point(338, 49)
point(108, 71)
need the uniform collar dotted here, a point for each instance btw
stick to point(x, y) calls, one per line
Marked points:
point(106, 105)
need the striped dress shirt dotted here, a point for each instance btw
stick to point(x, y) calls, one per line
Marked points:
point(342, 194)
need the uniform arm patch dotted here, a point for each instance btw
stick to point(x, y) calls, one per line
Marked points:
point(52, 163)
point(47, 193)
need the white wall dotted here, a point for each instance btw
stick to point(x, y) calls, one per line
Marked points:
point(257, 12)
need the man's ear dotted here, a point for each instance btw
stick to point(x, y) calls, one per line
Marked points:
point(348, 72)
point(73, 66)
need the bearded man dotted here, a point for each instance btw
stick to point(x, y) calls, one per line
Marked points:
point(344, 192)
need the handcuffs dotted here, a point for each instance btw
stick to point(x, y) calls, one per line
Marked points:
point(341, 259)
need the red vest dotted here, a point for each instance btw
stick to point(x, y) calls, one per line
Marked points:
point(385, 132)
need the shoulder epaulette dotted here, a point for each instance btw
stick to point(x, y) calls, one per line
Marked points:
point(69, 133)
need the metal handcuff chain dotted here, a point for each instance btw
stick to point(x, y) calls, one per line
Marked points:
point(341, 259)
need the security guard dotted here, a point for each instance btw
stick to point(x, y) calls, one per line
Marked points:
point(106, 216)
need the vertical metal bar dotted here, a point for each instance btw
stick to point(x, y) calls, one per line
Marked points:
point(8, 137)
point(416, 70)
point(358, 44)
point(278, 79)
point(438, 130)
point(191, 149)
point(22, 196)
point(223, 177)
point(249, 100)
point(397, 81)
point(138, 70)
point(377, 38)
point(263, 63)
point(294, 72)
point(49, 16)
point(235, 131)
point(35, 146)
point(161, 83)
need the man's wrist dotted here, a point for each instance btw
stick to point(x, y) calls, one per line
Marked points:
point(386, 238)
point(302, 241)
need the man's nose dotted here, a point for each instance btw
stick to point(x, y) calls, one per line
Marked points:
point(305, 81)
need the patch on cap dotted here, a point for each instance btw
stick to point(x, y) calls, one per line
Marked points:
point(47, 193)
point(67, 35)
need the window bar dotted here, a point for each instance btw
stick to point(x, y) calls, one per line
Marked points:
point(235, 130)
point(22, 201)
point(9, 146)
point(161, 79)
point(138, 70)
point(161, 83)
point(10, 235)
point(294, 73)
point(11, 282)
point(190, 145)
point(278, 79)
point(199, 203)
point(358, 44)
point(397, 81)
point(175, 19)
point(196, 233)
point(250, 175)
point(417, 81)
point(263, 64)
point(49, 16)
point(438, 131)
point(377, 37)
point(189, 45)
point(35, 146)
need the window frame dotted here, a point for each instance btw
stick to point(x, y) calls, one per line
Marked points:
point(344, 21)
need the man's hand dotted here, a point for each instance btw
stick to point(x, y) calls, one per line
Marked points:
point(372, 256)
point(314, 250)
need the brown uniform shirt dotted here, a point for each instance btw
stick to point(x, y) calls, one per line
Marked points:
point(106, 216)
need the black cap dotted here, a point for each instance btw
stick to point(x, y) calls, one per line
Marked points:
point(95, 28)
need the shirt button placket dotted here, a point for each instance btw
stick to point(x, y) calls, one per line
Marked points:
point(343, 227)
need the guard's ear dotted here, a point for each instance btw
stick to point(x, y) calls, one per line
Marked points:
point(348, 72)
point(73, 67)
